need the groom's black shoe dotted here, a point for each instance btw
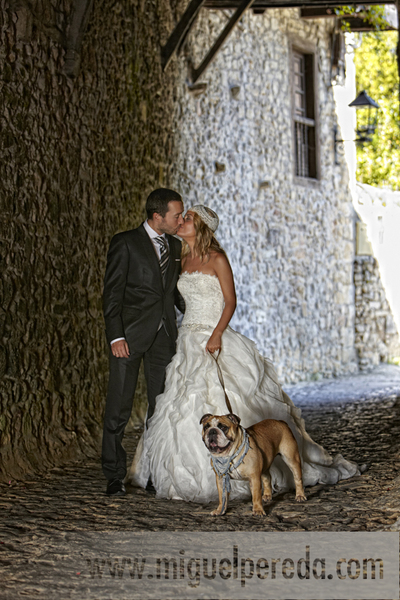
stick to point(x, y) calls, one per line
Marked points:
point(115, 487)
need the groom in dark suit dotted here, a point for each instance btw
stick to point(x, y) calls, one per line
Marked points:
point(140, 293)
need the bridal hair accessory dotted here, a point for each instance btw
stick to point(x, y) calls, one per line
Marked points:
point(207, 215)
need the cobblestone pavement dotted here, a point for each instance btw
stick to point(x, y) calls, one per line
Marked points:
point(358, 416)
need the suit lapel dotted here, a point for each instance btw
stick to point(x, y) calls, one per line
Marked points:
point(151, 253)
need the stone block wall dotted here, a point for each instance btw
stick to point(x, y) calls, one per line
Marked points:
point(291, 243)
point(377, 338)
point(78, 158)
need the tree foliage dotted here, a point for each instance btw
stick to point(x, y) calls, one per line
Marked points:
point(373, 15)
point(378, 162)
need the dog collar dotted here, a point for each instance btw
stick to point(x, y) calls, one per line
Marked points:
point(225, 466)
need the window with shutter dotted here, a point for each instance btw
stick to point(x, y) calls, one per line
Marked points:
point(304, 116)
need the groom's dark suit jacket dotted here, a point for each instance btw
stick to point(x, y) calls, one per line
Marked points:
point(135, 300)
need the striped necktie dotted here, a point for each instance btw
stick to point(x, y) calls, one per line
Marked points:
point(164, 255)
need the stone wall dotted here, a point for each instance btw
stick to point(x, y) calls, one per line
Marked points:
point(291, 244)
point(377, 338)
point(379, 211)
point(78, 158)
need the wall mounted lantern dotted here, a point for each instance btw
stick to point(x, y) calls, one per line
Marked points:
point(366, 130)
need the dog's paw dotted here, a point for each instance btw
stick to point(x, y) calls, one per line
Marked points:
point(267, 498)
point(258, 512)
point(217, 512)
point(301, 498)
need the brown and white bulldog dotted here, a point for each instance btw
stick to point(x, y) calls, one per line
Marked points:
point(227, 442)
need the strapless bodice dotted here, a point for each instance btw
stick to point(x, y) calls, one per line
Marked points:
point(203, 298)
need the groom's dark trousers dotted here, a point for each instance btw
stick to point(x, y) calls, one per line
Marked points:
point(136, 302)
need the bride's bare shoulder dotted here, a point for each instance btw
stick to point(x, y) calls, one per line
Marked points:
point(219, 260)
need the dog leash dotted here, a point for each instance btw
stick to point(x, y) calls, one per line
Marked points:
point(224, 466)
point(221, 380)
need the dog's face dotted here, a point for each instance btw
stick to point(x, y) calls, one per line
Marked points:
point(220, 433)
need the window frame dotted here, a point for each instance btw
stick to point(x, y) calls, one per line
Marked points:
point(309, 50)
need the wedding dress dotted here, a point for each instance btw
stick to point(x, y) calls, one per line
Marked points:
point(171, 450)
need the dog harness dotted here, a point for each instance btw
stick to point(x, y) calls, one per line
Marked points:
point(224, 466)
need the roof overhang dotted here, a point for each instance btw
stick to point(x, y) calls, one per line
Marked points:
point(309, 9)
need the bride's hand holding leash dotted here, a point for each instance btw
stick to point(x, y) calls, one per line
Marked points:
point(214, 343)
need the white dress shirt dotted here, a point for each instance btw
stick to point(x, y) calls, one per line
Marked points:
point(152, 235)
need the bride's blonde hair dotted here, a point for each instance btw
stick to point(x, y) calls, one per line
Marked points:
point(205, 242)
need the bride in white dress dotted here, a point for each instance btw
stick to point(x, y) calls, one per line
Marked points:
point(171, 451)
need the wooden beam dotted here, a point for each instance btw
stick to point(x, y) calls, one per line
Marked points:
point(259, 4)
point(181, 30)
point(317, 12)
point(237, 15)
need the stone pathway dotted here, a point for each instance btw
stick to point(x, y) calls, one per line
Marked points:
point(358, 416)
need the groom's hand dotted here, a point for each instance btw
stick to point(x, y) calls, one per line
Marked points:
point(120, 349)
